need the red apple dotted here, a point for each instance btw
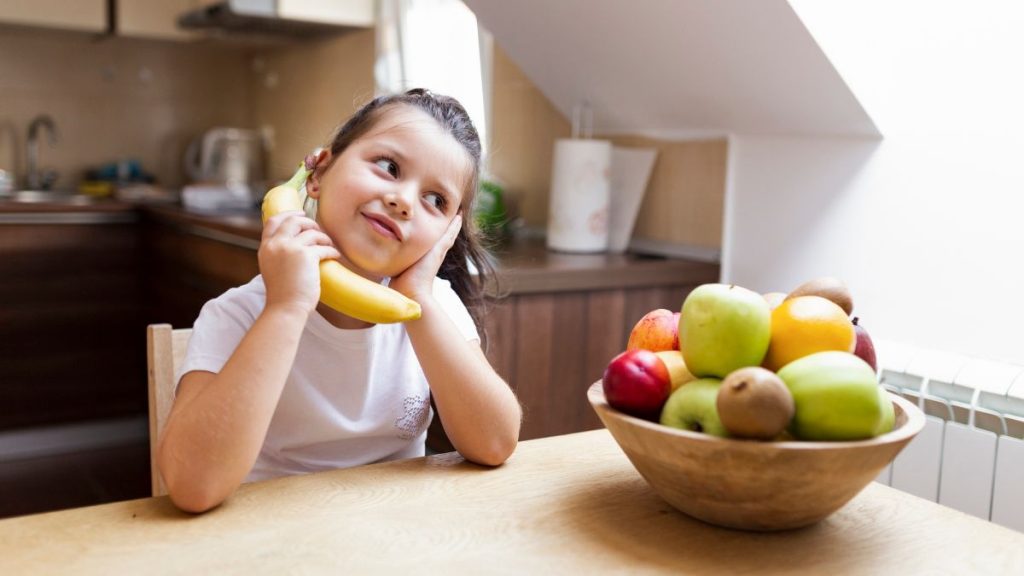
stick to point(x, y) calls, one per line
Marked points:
point(637, 382)
point(658, 330)
point(865, 347)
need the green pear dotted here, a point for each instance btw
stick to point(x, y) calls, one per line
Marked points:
point(836, 397)
point(723, 328)
point(692, 407)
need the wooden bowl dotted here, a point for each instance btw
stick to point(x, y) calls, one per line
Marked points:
point(754, 485)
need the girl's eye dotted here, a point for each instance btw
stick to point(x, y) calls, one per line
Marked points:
point(437, 200)
point(388, 165)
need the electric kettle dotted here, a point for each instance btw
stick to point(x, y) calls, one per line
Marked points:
point(228, 156)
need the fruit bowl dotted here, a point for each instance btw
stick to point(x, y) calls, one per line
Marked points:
point(753, 485)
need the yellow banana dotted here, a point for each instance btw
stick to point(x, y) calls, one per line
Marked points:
point(340, 288)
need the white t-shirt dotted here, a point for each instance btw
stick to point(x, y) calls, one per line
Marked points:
point(352, 397)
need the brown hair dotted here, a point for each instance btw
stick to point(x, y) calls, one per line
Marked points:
point(468, 246)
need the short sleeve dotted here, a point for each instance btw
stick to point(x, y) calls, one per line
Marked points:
point(220, 327)
point(452, 304)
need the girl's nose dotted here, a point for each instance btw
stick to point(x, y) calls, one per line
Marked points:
point(399, 201)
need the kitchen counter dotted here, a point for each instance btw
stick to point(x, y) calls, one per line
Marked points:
point(568, 504)
point(524, 266)
point(78, 210)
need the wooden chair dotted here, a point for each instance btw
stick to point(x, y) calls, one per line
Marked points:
point(165, 350)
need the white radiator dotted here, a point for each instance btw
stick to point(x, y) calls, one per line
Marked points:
point(970, 455)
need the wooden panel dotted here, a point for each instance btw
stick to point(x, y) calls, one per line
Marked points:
point(501, 342)
point(565, 401)
point(534, 343)
point(606, 337)
point(70, 323)
point(93, 285)
point(184, 271)
point(219, 263)
point(640, 302)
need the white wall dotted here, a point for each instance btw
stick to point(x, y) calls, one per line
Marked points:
point(926, 225)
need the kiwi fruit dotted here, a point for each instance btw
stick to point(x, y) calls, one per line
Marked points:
point(829, 288)
point(754, 403)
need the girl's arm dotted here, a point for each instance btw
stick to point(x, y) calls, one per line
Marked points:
point(218, 422)
point(479, 411)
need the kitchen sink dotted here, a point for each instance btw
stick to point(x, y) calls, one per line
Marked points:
point(48, 197)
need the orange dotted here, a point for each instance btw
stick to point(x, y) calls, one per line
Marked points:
point(805, 325)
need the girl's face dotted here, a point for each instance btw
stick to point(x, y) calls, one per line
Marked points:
point(388, 198)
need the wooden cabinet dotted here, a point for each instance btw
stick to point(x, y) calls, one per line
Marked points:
point(158, 20)
point(550, 347)
point(72, 338)
point(187, 265)
point(77, 15)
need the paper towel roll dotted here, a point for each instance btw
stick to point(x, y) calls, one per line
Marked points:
point(580, 185)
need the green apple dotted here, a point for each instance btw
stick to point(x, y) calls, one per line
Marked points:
point(723, 328)
point(836, 397)
point(889, 413)
point(692, 407)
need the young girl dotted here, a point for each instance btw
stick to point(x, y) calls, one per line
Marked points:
point(275, 383)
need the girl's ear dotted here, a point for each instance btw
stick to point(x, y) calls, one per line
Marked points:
point(320, 159)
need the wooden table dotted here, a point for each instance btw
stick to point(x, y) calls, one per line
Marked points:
point(569, 504)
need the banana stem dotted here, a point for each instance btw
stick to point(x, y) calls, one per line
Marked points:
point(299, 178)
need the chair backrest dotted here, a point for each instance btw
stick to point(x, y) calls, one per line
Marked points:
point(165, 350)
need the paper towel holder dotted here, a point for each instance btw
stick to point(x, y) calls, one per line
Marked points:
point(582, 120)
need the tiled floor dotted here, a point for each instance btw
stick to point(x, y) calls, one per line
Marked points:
point(82, 478)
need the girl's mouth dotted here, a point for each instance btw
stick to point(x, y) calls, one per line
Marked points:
point(384, 226)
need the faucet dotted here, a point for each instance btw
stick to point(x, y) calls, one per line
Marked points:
point(39, 179)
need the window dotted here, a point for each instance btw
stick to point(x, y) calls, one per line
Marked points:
point(435, 44)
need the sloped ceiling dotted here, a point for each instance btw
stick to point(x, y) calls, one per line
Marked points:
point(678, 68)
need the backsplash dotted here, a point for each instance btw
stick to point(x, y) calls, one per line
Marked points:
point(304, 91)
point(114, 98)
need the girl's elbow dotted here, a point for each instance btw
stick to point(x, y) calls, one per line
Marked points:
point(496, 453)
point(187, 492)
point(195, 497)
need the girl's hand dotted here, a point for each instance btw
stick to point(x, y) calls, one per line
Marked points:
point(418, 279)
point(290, 252)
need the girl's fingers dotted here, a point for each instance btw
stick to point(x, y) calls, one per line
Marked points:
point(291, 224)
point(274, 222)
point(448, 240)
point(313, 236)
point(326, 252)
